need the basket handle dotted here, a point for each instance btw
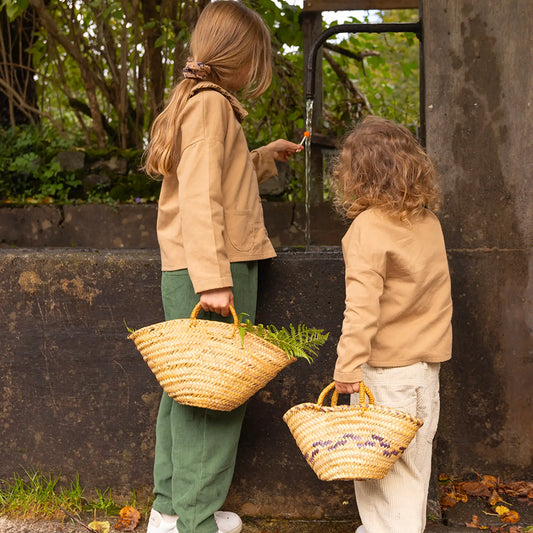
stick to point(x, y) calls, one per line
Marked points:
point(198, 307)
point(363, 390)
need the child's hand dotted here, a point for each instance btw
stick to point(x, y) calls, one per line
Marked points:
point(283, 149)
point(217, 300)
point(347, 388)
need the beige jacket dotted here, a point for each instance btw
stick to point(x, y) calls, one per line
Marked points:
point(398, 299)
point(210, 212)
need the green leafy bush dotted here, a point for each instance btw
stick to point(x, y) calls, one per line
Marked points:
point(30, 171)
point(29, 168)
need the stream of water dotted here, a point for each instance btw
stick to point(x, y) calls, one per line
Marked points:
point(309, 127)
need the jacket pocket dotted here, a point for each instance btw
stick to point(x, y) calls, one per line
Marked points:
point(240, 229)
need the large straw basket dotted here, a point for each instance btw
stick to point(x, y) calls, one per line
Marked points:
point(345, 442)
point(205, 363)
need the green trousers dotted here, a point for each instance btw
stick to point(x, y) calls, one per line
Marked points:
point(196, 448)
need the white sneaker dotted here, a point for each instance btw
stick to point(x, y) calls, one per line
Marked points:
point(161, 523)
point(227, 522)
point(360, 529)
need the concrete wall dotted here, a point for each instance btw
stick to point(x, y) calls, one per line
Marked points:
point(479, 98)
point(76, 396)
point(132, 226)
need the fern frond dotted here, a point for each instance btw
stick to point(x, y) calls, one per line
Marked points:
point(301, 342)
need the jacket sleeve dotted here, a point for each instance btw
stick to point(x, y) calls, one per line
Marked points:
point(200, 191)
point(364, 273)
point(264, 163)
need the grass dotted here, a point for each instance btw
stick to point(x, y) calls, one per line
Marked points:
point(36, 495)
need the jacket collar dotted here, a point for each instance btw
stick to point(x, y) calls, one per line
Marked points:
point(238, 109)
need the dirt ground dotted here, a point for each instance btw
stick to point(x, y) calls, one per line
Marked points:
point(454, 520)
point(250, 526)
point(455, 524)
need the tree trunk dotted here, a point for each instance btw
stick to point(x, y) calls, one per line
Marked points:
point(153, 58)
point(18, 100)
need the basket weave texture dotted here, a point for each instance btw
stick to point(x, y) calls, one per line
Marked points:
point(205, 363)
point(346, 442)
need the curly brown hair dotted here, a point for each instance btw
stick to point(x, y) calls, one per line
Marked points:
point(382, 165)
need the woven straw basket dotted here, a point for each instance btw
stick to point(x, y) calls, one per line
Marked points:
point(205, 363)
point(346, 442)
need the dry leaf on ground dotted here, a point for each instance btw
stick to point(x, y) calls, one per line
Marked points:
point(494, 498)
point(474, 523)
point(474, 488)
point(100, 527)
point(129, 519)
point(512, 517)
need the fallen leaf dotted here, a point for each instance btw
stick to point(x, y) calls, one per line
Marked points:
point(100, 527)
point(474, 488)
point(490, 481)
point(518, 488)
point(502, 510)
point(512, 517)
point(494, 498)
point(447, 500)
point(475, 523)
point(129, 519)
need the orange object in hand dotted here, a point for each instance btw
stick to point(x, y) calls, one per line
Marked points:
point(307, 134)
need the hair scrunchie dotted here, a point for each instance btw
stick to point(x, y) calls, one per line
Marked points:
point(196, 69)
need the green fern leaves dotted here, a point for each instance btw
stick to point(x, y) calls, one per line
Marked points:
point(301, 342)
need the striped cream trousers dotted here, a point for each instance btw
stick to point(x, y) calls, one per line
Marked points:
point(397, 503)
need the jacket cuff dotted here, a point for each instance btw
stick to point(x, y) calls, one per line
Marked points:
point(348, 377)
point(264, 163)
point(201, 285)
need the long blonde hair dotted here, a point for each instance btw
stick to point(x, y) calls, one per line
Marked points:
point(228, 37)
point(382, 165)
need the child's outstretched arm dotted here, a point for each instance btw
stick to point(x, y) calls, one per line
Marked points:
point(282, 149)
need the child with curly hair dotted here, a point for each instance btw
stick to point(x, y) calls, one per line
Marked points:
point(397, 321)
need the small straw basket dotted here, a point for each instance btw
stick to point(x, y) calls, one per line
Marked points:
point(346, 442)
point(205, 363)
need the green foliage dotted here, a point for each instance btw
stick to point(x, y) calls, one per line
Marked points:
point(301, 342)
point(14, 8)
point(389, 78)
point(29, 167)
point(30, 171)
point(279, 113)
point(104, 61)
point(104, 502)
point(37, 495)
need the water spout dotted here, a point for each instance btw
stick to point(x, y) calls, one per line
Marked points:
point(307, 144)
point(390, 27)
point(414, 27)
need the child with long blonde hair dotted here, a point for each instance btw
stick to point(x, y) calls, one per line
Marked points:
point(211, 234)
point(397, 321)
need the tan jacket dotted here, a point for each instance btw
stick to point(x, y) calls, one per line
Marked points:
point(398, 299)
point(210, 212)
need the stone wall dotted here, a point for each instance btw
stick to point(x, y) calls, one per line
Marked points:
point(77, 398)
point(132, 226)
point(479, 98)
